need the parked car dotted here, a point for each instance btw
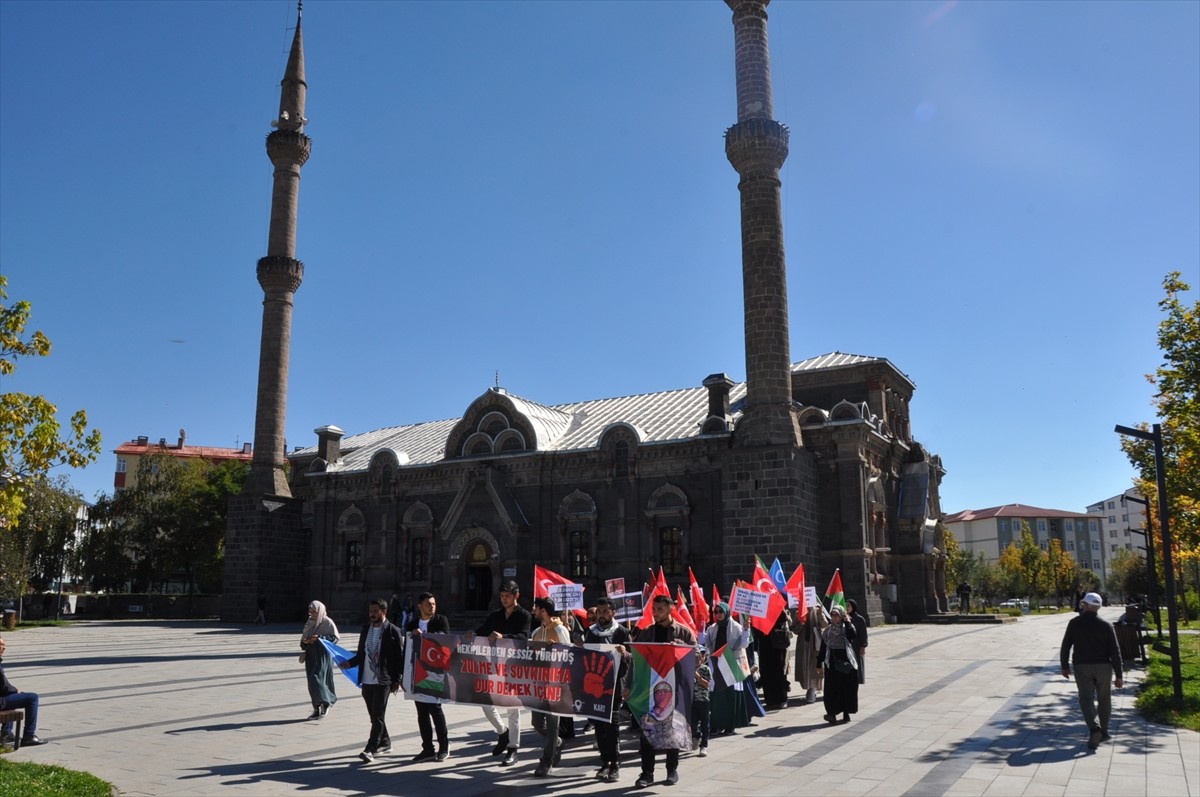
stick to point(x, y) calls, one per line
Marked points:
point(1015, 603)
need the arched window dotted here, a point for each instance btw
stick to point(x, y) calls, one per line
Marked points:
point(670, 550)
point(581, 554)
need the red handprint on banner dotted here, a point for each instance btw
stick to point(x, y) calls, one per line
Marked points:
point(596, 667)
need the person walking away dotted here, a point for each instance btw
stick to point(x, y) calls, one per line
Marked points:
point(700, 700)
point(551, 631)
point(13, 698)
point(841, 666)
point(1097, 659)
point(429, 709)
point(964, 598)
point(809, 673)
point(604, 630)
point(379, 659)
point(261, 617)
point(663, 630)
point(860, 643)
point(510, 621)
point(318, 664)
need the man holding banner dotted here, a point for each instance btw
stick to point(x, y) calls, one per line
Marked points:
point(661, 693)
point(606, 631)
point(550, 630)
point(510, 621)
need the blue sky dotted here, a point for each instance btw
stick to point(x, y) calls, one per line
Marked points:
point(988, 194)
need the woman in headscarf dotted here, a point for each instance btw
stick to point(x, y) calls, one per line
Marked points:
point(318, 664)
point(809, 673)
point(860, 644)
point(728, 705)
point(841, 666)
point(772, 662)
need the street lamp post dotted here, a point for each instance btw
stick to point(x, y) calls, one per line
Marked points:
point(1164, 518)
point(1146, 532)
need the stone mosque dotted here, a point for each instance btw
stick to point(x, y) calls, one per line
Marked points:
point(812, 461)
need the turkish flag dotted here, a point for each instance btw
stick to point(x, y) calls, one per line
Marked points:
point(660, 588)
point(699, 607)
point(543, 579)
point(795, 586)
point(762, 582)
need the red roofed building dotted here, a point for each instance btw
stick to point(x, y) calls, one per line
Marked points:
point(991, 530)
point(128, 455)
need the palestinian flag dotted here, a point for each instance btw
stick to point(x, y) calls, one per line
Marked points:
point(661, 695)
point(835, 593)
point(727, 669)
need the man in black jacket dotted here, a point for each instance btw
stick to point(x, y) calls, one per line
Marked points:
point(13, 698)
point(1097, 659)
point(430, 716)
point(510, 621)
point(379, 660)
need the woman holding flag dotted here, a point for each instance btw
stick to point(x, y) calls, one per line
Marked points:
point(318, 666)
point(841, 666)
point(725, 640)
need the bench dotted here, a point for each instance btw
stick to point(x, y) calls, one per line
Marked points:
point(16, 715)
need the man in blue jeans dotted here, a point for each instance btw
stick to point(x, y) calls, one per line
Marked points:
point(11, 698)
point(1097, 660)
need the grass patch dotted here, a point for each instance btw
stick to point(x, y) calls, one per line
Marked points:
point(24, 779)
point(1157, 695)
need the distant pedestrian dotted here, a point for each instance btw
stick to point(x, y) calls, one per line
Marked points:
point(841, 666)
point(261, 618)
point(1097, 659)
point(430, 716)
point(13, 698)
point(380, 650)
point(964, 598)
point(318, 664)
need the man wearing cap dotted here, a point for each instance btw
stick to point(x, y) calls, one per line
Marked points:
point(1097, 660)
point(510, 621)
point(664, 629)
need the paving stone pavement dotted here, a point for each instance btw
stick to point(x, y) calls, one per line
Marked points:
point(177, 708)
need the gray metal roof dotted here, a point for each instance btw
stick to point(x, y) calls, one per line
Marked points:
point(662, 417)
point(837, 359)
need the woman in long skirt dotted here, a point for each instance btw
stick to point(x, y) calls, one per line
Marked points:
point(772, 662)
point(727, 705)
point(841, 667)
point(318, 664)
point(809, 673)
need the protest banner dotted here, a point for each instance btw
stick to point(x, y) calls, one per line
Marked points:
point(614, 587)
point(567, 680)
point(810, 596)
point(749, 602)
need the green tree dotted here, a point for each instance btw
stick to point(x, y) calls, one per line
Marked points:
point(171, 525)
point(1063, 571)
point(31, 439)
point(1127, 574)
point(1177, 405)
point(36, 550)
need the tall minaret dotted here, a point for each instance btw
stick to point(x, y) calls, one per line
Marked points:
point(279, 274)
point(757, 147)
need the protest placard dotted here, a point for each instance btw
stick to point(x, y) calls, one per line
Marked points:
point(628, 606)
point(566, 596)
point(614, 587)
point(810, 597)
point(750, 602)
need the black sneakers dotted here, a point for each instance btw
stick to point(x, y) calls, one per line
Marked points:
point(424, 755)
point(510, 757)
point(501, 744)
point(1095, 737)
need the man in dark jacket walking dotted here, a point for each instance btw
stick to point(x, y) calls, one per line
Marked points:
point(379, 660)
point(1097, 660)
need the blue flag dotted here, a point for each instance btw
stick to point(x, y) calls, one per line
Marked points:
point(340, 654)
point(778, 577)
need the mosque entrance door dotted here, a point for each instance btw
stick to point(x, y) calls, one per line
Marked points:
point(479, 589)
